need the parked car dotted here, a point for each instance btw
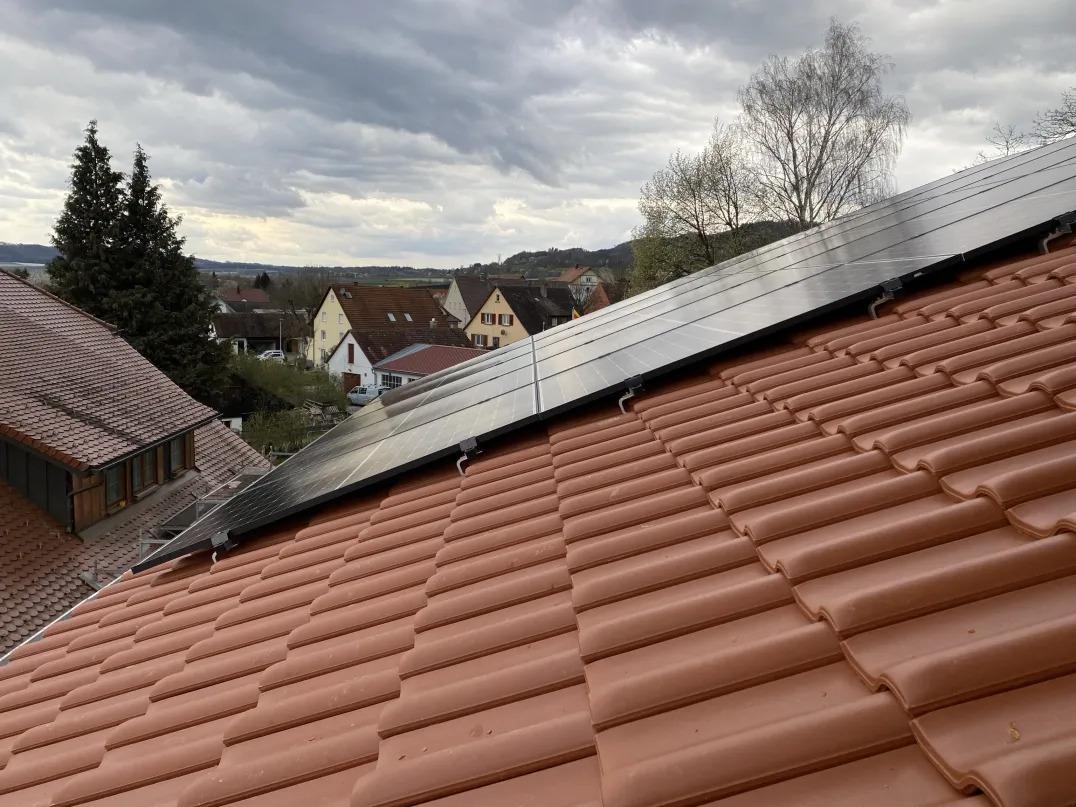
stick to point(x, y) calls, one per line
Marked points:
point(271, 355)
point(364, 393)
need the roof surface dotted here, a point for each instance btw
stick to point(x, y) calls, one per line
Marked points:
point(536, 305)
point(380, 344)
point(573, 274)
point(74, 390)
point(236, 294)
point(40, 562)
point(426, 359)
point(835, 570)
point(368, 307)
point(475, 289)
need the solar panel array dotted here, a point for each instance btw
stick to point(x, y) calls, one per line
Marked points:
point(925, 228)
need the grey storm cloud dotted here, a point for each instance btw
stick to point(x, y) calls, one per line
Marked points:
point(452, 131)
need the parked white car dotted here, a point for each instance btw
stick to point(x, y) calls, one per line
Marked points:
point(272, 355)
point(364, 393)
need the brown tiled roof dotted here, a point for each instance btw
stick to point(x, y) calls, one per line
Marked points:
point(368, 307)
point(380, 344)
point(604, 294)
point(74, 390)
point(535, 306)
point(235, 294)
point(429, 359)
point(475, 289)
point(41, 563)
point(835, 570)
point(573, 274)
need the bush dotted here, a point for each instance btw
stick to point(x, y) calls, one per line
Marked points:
point(281, 431)
point(289, 382)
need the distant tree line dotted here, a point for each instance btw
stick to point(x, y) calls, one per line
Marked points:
point(816, 138)
point(121, 259)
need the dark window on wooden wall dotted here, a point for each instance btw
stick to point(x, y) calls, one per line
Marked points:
point(114, 485)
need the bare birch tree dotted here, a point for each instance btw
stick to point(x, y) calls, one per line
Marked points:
point(687, 204)
point(1059, 123)
point(824, 133)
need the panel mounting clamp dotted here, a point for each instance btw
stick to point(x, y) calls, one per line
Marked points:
point(633, 384)
point(889, 289)
point(468, 449)
point(222, 542)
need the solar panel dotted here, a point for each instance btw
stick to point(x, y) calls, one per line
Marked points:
point(924, 229)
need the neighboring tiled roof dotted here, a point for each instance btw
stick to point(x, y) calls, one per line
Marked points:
point(475, 289)
point(259, 325)
point(380, 344)
point(573, 274)
point(368, 307)
point(426, 359)
point(834, 570)
point(605, 293)
point(74, 390)
point(536, 305)
point(235, 294)
point(40, 562)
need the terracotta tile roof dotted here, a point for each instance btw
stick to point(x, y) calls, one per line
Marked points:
point(573, 274)
point(74, 390)
point(426, 359)
point(834, 570)
point(41, 563)
point(368, 307)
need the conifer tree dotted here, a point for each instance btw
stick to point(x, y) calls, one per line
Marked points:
point(87, 231)
point(121, 259)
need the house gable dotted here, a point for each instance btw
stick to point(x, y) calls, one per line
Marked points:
point(483, 334)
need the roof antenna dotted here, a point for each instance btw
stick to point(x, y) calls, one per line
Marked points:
point(468, 448)
point(888, 289)
point(634, 384)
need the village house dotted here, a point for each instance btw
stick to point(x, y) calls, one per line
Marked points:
point(97, 447)
point(353, 358)
point(420, 360)
point(355, 307)
point(231, 298)
point(257, 331)
point(510, 313)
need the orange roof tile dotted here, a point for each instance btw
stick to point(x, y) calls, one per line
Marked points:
point(837, 570)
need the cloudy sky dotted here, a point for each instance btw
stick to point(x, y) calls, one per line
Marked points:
point(442, 133)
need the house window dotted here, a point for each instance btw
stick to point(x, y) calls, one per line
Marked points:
point(488, 319)
point(498, 298)
point(350, 353)
point(408, 317)
point(144, 470)
point(323, 336)
point(339, 319)
point(506, 319)
point(496, 341)
point(324, 316)
point(391, 316)
point(479, 340)
point(114, 485)
point(177, 459)
point(391, 381)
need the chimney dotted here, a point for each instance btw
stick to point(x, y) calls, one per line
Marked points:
point(543, 290)
point(433, 322)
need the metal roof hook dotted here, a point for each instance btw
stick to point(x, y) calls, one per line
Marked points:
point(888, 288)
point(468, 448)
point(1064, 227)
point(634, 384)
